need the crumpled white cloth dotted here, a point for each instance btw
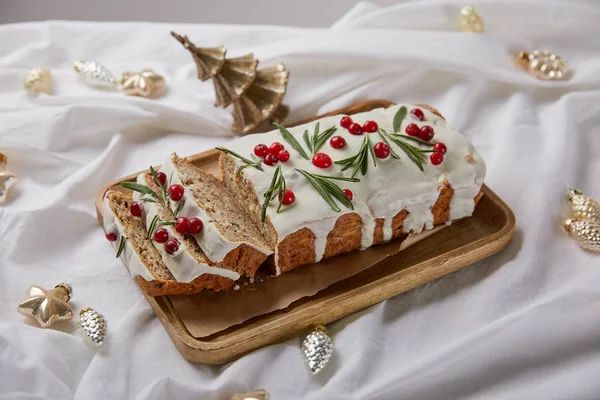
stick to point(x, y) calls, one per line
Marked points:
point(522, 324)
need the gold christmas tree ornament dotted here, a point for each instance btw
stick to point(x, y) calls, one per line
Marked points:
point(317, 349)
point(584, 207)
point(38, 80)
point(7, 179)
point(47, 306)
point(92, 327)
point(470, 21)
point(256, 95)
point(586, 233)
point(95, 74)
point(259, 394)
point(145, 83)
point(543, 64)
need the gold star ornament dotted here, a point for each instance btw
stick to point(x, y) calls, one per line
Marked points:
point(47, 306)
point(145, 83)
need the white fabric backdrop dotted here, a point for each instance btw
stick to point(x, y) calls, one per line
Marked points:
point(521, 325)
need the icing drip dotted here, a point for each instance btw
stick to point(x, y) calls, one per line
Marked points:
point(183, 266)
point(214, 244)
point(130, 258)
point(387, 229)
point(387, 189)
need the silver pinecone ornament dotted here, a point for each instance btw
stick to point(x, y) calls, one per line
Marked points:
point(92, 327)
point(584, 207)
point(317, 349)
point(587, 233)
point(95, 74)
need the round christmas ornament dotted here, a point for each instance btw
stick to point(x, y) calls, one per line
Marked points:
point(470, 21)
point(584, 207)
point(38, 80)
point(543, 64)
point(317, 349)
point(47, 306)
point(92, 327)
point(95, 74)
point(259, 394)
point(145, 83)
point(7, 179)
point(586, 233)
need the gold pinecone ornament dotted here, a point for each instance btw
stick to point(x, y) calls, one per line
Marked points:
point(317, 349)
point(584, 207)
point(543, 64)
point(584, 226)
point(256, 95)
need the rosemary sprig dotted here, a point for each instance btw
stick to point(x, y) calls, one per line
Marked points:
point(277, 188)
point(398, 118)
point(291, 140)
point(121, 246)
point(179, 208)
point(360, 160)
point(329, 190)
point(163, 190)
point(136, 187)
point(152, 227)
point(319, 139)
point(414, 153)
point(256, 160)
point(256, 163)
point(307, 141)
point(384, 139)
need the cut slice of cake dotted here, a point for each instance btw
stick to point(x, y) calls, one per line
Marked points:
point(229, 235)
point(130, 239)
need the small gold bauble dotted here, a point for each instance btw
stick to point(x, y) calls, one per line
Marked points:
point(584, 207)
point(543, 64)
point(38, 80)
point(47, 306)
point(7, 179)
point(259, 394)
point(470, 21)
point(586, 233)
point(145, 83)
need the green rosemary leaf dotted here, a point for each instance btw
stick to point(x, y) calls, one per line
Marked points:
point(179, 208)
point(167, 223)
point(160, 185)
point(315, 135)
point(147, 200)
point(347, 162)
point(384, 139)
point(121, 246)
point(136, 187)
point(291, 140)
point(319, 188)
point(307, 140)
point(269, 193)
point(338, 178)
point(372, 151)
point(398, 118)
point(414, 139)
point(254, 164)
point(335, 191)
point(323, 138)
point(152, 227)
point(281, 192)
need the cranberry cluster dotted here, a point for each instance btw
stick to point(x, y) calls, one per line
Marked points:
point(356, 129)
point(272, 154)
point(426, 133)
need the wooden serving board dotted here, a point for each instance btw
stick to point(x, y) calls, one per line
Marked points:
point(488, 231)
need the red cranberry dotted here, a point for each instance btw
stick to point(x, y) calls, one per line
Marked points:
point(436, 158)
point(111, 237)
point(370, 126)
point(270, 159)
point(440, 147)
point(288, 197)
point(382, 150)
point(135, 209)
point(426, 133)
point(162, 177)
point(171, 246)
point(182, 224)
point(261, 150)
point(175, 192)
point(348, 193)
point(346, 122)
point(337, 142)
point(321, 160)
point(418, 114)
point(355, 129)
point(161, 235)
point(412, 130)
point(283, 155)
point(275, 148)
point(195, 226)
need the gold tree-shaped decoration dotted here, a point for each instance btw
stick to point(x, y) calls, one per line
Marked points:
point(256, 95)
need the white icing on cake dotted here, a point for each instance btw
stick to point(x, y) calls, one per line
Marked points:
point(214, 244)
point(130, 258)
point(183, 266)
point(387, 189)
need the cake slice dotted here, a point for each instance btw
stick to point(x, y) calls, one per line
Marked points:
point(144, 262)
point(229, 236)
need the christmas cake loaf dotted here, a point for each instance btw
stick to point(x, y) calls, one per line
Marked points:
point(126, 231)
point(344, 183)
point(229, 235)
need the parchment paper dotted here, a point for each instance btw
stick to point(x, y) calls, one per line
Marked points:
point(207, 313)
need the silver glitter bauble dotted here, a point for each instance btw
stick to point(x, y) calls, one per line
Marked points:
point(587, 233)
point(317, 349)
point(584, 207)
point(92, 327)
point(95, 74)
